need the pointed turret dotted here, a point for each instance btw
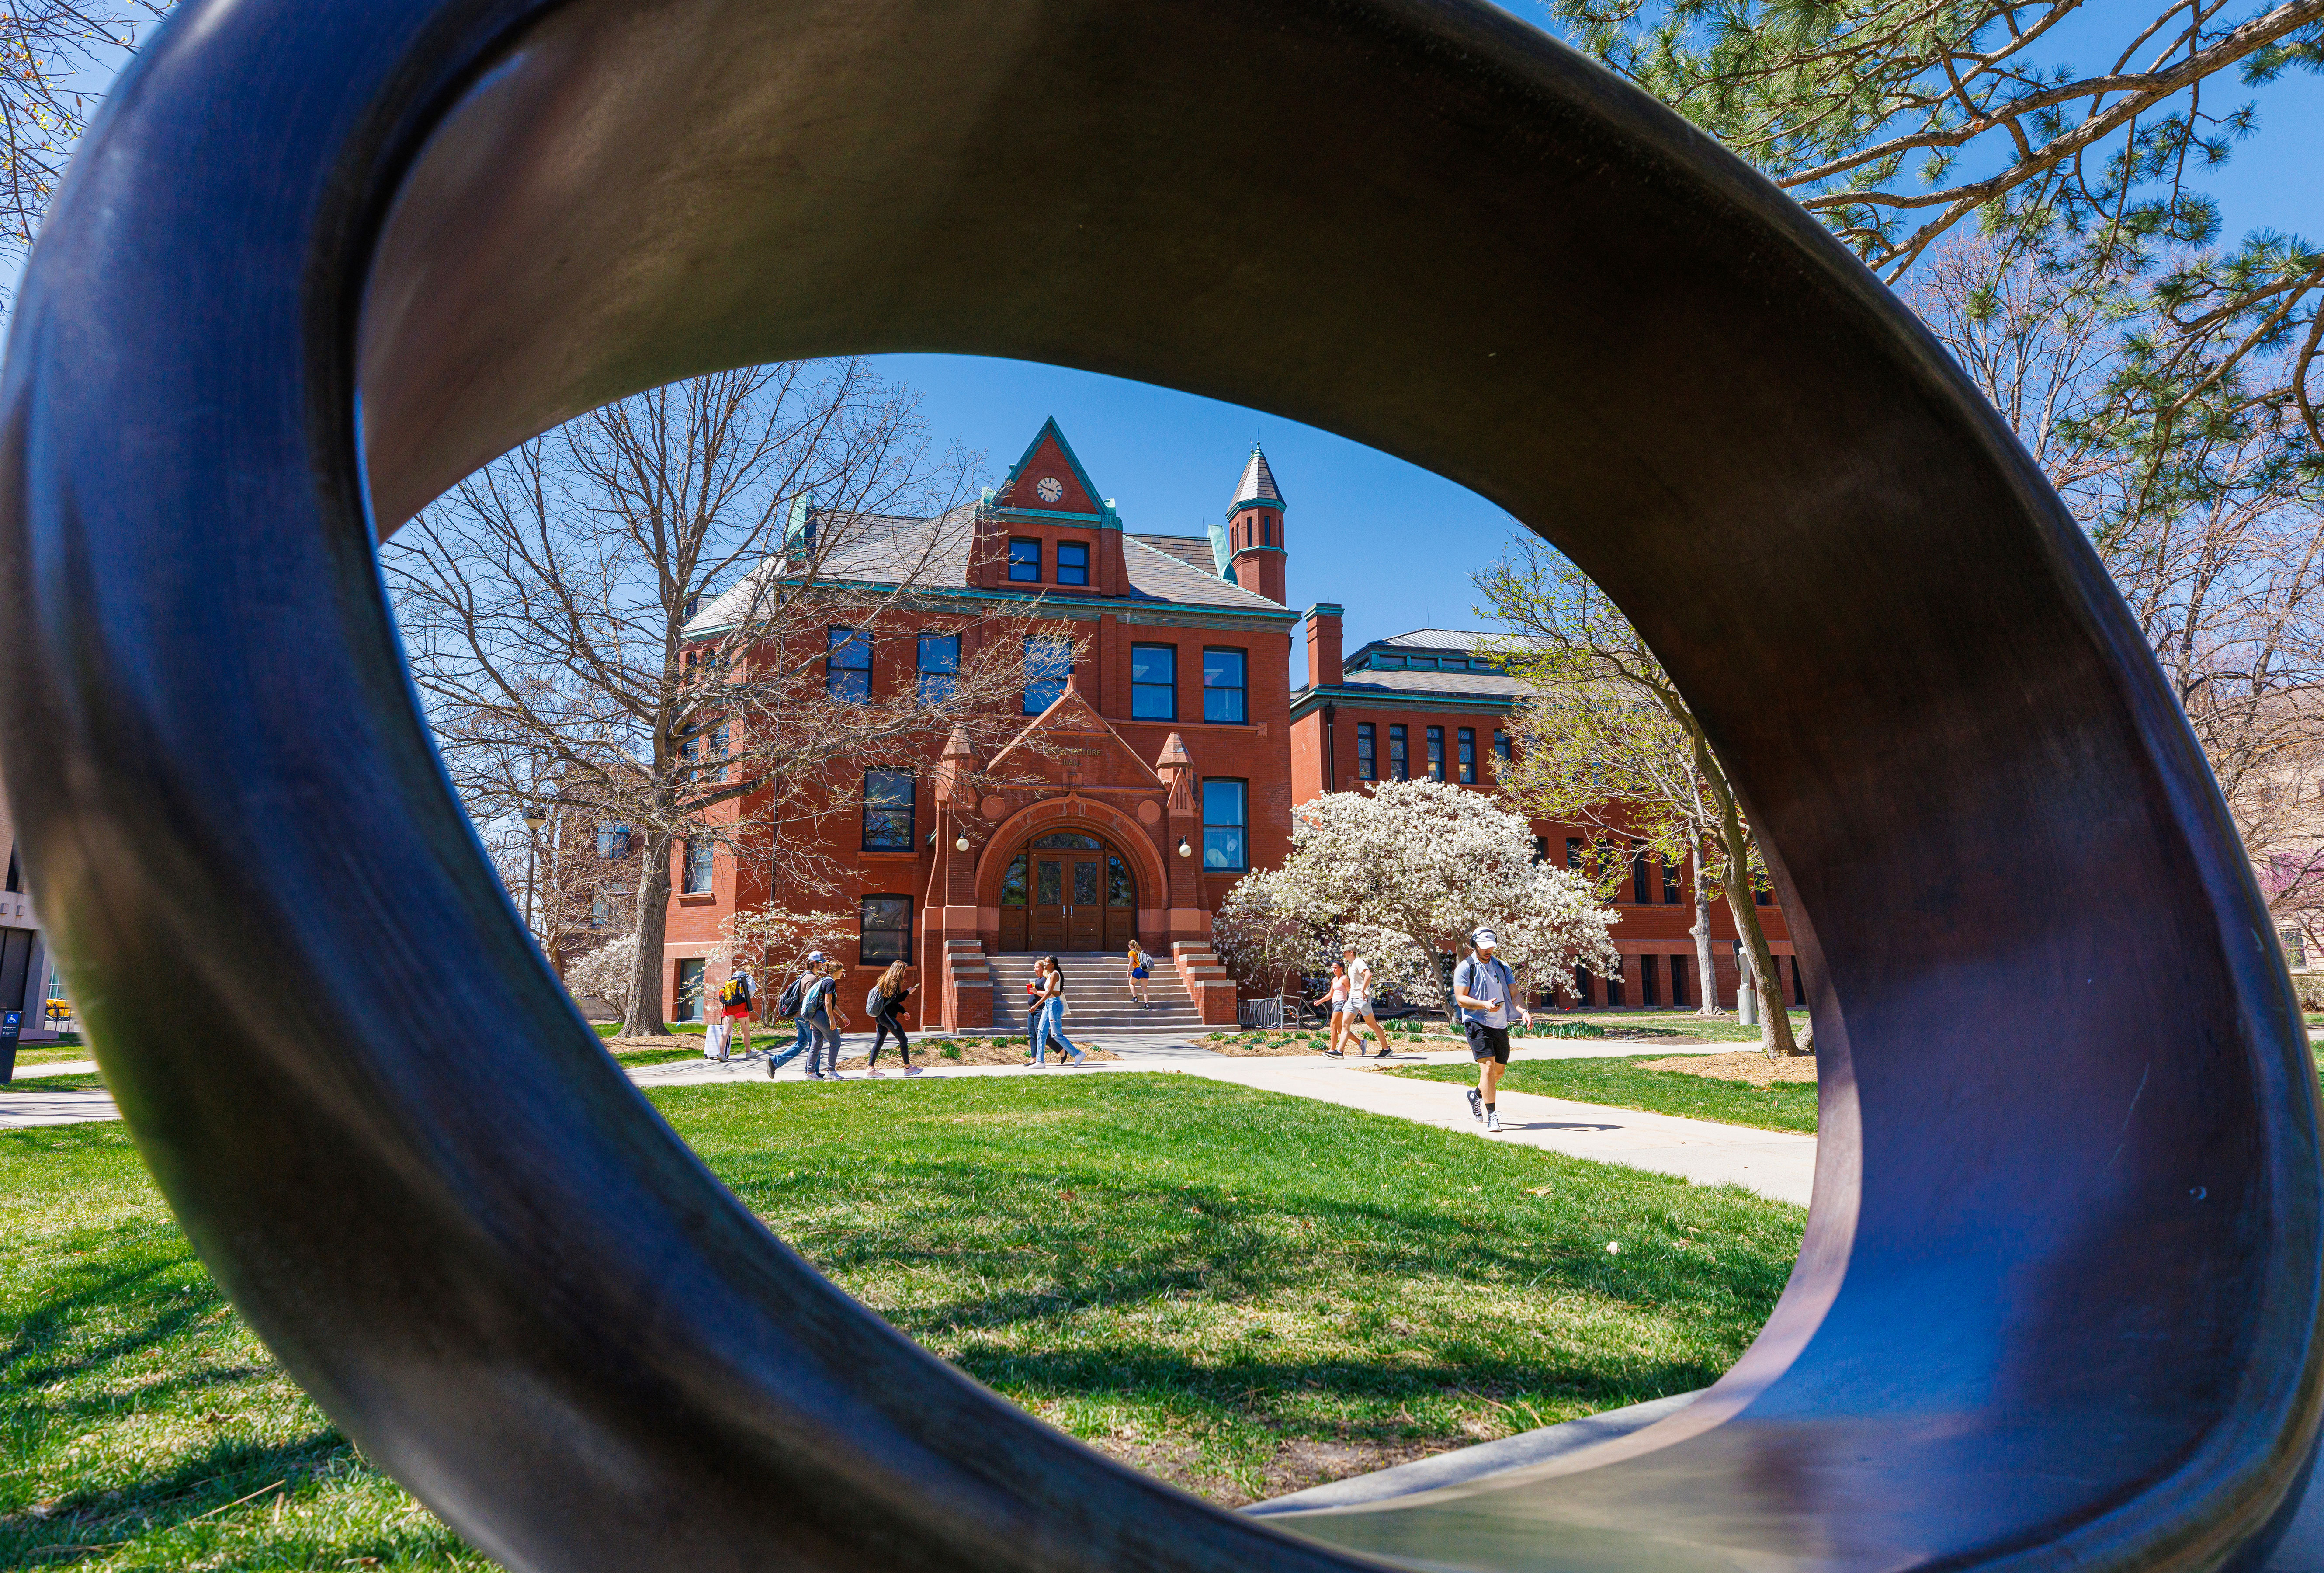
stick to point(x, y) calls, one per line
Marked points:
point(1254, 544)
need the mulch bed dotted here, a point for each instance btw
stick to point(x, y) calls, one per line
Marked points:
point(1751, 1066)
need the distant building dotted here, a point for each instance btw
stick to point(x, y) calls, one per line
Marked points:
point(1172, 782)
point(28, 978)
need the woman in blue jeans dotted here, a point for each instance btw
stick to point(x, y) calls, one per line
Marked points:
point(1051, 1017)
point(819, 1009)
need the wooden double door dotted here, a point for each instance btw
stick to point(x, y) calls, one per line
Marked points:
point(1068, 891)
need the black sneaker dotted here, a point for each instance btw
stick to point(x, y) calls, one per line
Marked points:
point(1477, 1104)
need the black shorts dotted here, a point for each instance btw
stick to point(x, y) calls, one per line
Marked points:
point(1488, 1043)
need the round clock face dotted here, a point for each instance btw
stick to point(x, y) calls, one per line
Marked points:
point(1048, 488)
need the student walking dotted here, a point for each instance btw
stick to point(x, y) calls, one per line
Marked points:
point(1337, 997)
point(790, 1005)
point(1138, 970)
point(1053, 1012)
point(819, 1008)
point(1487, 994)
point(1359, 1002)
point(735, 1002)
point(886, 999)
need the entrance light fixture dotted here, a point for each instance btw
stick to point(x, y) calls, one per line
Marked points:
point(1183, 849)
point(961, 845)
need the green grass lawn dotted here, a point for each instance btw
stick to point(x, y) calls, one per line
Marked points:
point(1788, 1106)
point(1240, 1291)
point(1680, 1024)
point(33, 1081)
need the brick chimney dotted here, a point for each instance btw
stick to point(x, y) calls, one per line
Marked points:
point(1324, 670)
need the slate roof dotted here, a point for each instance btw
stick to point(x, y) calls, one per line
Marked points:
point(1485, 685)
point(1461, 641)
point(893, 549)
point(1258, 483)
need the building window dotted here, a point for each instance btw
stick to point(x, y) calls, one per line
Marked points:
point(601, 910)
point(1025, 561)
point(1762, 897)
point(1799, 984)
point(1614, 986)
point(1367, 752)
point(722, 738)
point(1650, 979)
point(698, 865)
point(1573, 853)
point(939, 667)
point(884, 931)
point(1225, 687)
point(1671, 867)
point(1436, 753)
point(1012, 883)
point(613, 841)
point(1678, 980)
point(1048, 662)
point(1073, 563)
point(847, 665)
point(1467, 758)
point(1400, 764)
point(1638, 874)
point(1581, 986)
point(1225, 822)
point(688, 1005)
point(1541, 849)
point(1154, 682)
point(887, 810)
point(1500, 745)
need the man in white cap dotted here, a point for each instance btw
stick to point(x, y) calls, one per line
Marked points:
point(1486, 991)
point(798, 990)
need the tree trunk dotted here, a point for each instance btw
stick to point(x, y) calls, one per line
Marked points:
point(641, 1018)
point(1706, 963)
point(1775, 1017)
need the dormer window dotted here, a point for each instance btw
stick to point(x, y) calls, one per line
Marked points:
point(1073, 563)
point(1025, 562)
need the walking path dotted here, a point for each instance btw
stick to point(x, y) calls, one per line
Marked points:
point(1775, 1163)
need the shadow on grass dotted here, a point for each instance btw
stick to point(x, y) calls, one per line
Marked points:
point(89, 1524)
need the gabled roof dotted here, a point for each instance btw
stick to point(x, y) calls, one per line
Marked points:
point(1082, 748)
point(1047, 456)
point(1257, 483)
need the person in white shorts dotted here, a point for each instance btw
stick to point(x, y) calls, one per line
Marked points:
point(1337, 998)
point(1359, 1002)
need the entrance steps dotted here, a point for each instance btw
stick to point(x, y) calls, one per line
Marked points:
point(1098, 988)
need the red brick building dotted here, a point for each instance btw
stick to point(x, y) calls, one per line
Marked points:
point(1420, 704)
point(1172, 778)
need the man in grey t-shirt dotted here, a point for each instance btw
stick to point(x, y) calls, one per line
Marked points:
point(1487, 994)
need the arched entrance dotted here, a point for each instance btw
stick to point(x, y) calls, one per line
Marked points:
point(1068, 890)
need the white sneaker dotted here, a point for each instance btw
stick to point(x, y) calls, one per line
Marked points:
point(1477, 1106)
point(1493, 1120)
point(875, 1072)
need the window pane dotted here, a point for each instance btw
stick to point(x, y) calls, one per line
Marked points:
point(1436, 753)
point(1073, 563)
point(1047, 663)
point(1223, 699)
point(698, 865)
point(1224, 819)
point(1120, 889)
point(1367, 752)
point(689, 991)
point(1399, 763)
point(939, 663)
point(1468, 754)
point(888, 810)
point(1502, 746)
point(847, 666)
point(884, 930)
point(1025, 561)
point(1086, 883)
point(1154, 682)
point(1012, 883)
point(1049, 883)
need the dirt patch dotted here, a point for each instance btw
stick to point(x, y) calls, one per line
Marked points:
point(1747, 1066)
point(1296, 1465)
point(648, 1042)
point(966, 1051)
point(1252, 1045)
point(1651, 1036)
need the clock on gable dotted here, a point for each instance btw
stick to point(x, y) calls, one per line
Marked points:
point(1048, 488)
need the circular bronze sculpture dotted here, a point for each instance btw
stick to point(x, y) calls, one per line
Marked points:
point(2059, 1297)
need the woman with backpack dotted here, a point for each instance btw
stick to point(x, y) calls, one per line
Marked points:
point(882, 1004)
point(1137, 973)
point(734, 1001)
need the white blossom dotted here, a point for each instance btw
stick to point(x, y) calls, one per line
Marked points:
point(1406, 870)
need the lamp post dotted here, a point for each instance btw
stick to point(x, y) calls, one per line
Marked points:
point(535, 816)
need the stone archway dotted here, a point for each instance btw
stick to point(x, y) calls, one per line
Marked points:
point(1092, 842)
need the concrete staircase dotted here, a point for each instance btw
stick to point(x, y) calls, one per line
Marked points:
point(1099, 993)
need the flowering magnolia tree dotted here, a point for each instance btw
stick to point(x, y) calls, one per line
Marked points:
point(1408, 870)
point(605, 972)
point(1266, 939)
point(777, 940)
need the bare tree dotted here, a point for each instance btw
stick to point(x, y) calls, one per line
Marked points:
point(1609, 741)
point(652, 599)
point(54, 56)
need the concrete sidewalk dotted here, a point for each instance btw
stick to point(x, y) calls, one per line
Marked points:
point(1775, 1163)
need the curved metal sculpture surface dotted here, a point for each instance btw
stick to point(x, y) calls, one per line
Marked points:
point(2058, 1303)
